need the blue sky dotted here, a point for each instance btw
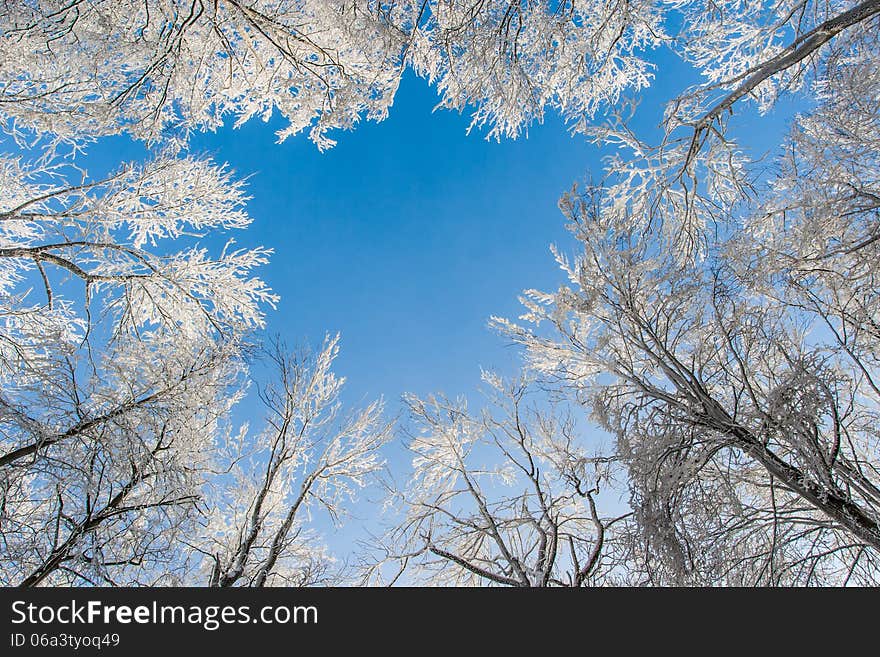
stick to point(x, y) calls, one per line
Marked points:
point(405, 237)
point(410, 233)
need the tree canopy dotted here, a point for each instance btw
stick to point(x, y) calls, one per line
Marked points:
point(719, 319)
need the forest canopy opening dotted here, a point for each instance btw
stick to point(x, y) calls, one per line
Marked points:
point(717, 320)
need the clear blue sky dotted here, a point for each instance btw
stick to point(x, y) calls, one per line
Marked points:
point(408, 234)
point(405, 237)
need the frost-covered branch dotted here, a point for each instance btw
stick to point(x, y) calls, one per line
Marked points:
point(503, 497)
point(310, 457)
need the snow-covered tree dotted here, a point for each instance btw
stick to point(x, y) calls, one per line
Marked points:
point(504, 497)
point(512, 61)
point(103, 469)
point(750, 54)
point(87, 68)
point(311, 457)
point(82, 69)
point(119, 355)
point(157, 67)
point(741, 385)
point(111, 237)
point(720, 321)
